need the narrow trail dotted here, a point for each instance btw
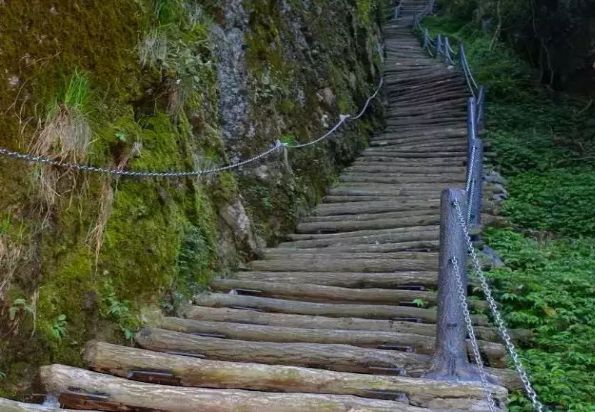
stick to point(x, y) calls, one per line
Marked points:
point(340, 317)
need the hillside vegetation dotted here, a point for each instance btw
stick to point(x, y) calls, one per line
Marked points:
point(543, 144)
point(160, 85)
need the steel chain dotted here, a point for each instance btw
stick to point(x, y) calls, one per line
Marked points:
point(472, 337)
point(276, 147)
point(518, 364)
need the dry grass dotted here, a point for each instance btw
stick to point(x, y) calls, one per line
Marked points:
point(65, 136)
point(153, 49)
point(96, 234)
point(10, 256)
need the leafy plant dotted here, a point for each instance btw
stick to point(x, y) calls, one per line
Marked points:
point(18, 306)
point(58, 328)
point(120, 311)
point(420, 303)
point(543, 145)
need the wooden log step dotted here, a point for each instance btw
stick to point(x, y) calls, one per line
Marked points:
point(427, 133)
point(348, 226)
point(335, 357)
point(371, 216)
point(324, 294)
point(285, 253)
point(376, 207)
point(420, 245)
point(388, 190)
point(330, 264)
point(364, 233)
point(343, 199)
point(398, 179)
point(406, 342)
point(413, 170)
point(376, 239)
point(204, 313)
point(191, 372)
point(6, 405)
point(131, 395)
point(399, 152)
point(218, 300)
point(346, 279)
point(342, 358)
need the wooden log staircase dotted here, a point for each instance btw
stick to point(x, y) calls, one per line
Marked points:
point(341, 316)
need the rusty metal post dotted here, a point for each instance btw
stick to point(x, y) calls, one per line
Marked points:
point(450, 358)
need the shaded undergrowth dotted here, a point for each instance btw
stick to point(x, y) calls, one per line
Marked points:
point(543, 144)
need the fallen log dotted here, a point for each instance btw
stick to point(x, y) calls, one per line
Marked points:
point(131, 394)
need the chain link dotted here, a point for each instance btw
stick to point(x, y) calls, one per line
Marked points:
point(471, 332)
point(278, 146)
point(518, 364)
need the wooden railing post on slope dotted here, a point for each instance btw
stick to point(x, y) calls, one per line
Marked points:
point(474, 160)
point(475, 195)
point(450, 358)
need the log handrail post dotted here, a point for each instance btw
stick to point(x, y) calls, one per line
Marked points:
point(480, 116)
point(450, 358)
point(475, 194)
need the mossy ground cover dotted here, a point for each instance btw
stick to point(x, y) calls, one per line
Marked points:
point(543, 144)
point(143, 77)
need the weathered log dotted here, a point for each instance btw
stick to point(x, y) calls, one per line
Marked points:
point(371, 216)
point(342, 358)
point(377, 239)
point(397, 179)
point(321, 293)
point(340, 265)
point(133, 394)
point(363, 233)
point(420, 245)
point(376, 207)
point(324, 309)
point(321, 322)
point(343, 199)
point(423, 344)
point(345, 279)
point(281, 253)
point(193, 372)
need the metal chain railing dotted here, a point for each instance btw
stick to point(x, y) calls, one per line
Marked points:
point(471, 332)
point(500, 324)
point(440, 47)
point(276, 147)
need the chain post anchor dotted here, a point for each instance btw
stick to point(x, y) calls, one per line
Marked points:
point(451, 362)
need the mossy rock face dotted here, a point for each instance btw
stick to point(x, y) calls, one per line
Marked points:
point(86, 264)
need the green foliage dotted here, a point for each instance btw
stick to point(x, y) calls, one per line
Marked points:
point(543, 144)
point(558, 200)
point(59, 327)
point(19, 306)
point(548, 286)
point(119, 310)
point(194, 261)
